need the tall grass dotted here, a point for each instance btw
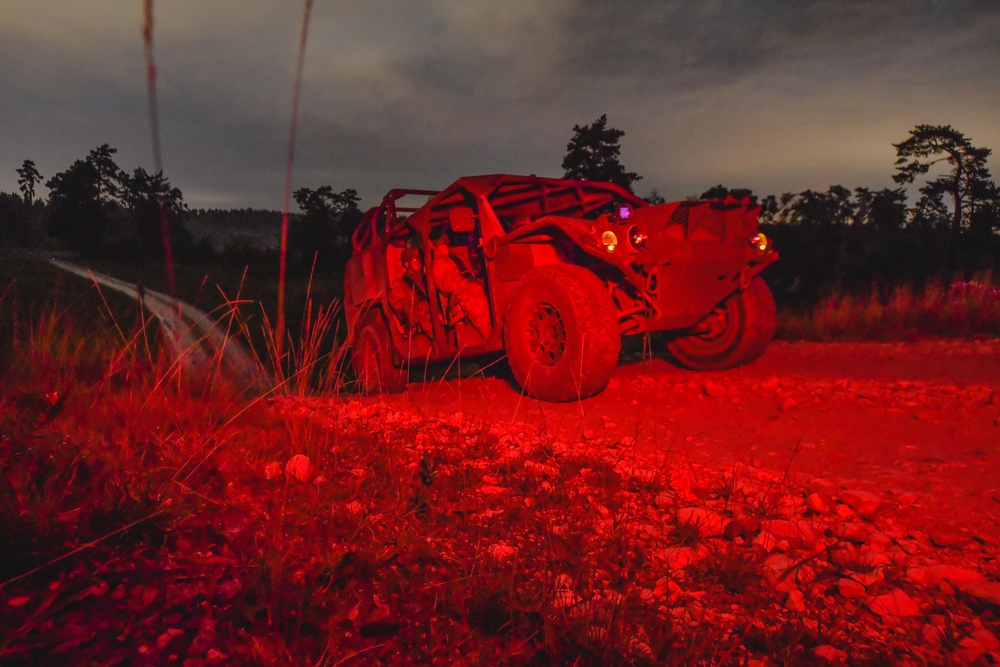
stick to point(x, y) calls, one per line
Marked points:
point(311, 363)
point(218, 286)
point(114, 468)
point(959, 309)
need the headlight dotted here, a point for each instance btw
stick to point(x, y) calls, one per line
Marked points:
point(637, 238)
point(609, 240)
point(760, 242)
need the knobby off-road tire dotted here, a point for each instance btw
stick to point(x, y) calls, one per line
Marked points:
point(561, 333)
point(735, 333)
point(372, 358)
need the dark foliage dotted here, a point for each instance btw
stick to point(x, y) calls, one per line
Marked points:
point(841, 241)
point(77, 216)
point(594, 153)
point(817, 261)
point(99, 211)
point(323, 231)
point(721, 192)
point(20, 222)
point(967, 184)
point(28, 177)
point(150, 202)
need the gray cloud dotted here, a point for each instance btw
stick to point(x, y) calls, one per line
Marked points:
point(772, 95)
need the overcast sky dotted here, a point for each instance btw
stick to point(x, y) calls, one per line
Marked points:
point(777, 96)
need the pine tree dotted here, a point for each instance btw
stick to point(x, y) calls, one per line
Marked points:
point(28, 177)
point(968, 183)
point(594, 154)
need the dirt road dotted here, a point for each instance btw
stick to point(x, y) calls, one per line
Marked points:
point(911, 418)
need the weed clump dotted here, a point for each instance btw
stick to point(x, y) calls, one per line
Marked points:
point(960, 309)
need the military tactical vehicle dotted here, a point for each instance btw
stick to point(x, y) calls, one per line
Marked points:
point(553, 272)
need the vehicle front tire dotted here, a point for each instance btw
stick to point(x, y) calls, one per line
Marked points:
point(735, 333)
point(373, 360)
point(561, 333)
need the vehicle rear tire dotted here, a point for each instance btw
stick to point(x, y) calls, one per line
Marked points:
point(373, 360)
point(735, 333)
point(561, 333)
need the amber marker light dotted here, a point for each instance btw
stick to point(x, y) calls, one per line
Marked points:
point(760, 242)
point(609, 240)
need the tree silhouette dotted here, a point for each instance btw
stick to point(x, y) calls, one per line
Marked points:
point(96, 208)
point(654, 198)
point(769, 208)
point(28, 177)
point(110, 178)
point(721, 192)
point(85, 202)
point(888, 209)
point(985, 219)
point(594, 154)
point(968, 182)
point(12, 218)
point(324, 230)
point(882, 210)
point(75, 213)
point(147, 197)
point(822, 209)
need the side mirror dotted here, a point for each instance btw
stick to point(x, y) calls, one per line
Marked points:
point(462, 219)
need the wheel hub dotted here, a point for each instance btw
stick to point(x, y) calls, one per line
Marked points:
point(714, 326)
point(546, 335)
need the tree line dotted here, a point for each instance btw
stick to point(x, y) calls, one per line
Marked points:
point(97, 210)
point(843, 239)
point(833, 239)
